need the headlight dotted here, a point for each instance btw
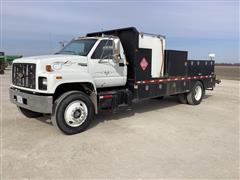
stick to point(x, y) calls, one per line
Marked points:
point(42, 83)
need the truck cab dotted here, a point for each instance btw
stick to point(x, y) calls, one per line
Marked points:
point(85, 64)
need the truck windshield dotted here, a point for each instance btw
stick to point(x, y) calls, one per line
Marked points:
point(78, 47)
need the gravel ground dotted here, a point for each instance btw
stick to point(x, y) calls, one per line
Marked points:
point(156, 139)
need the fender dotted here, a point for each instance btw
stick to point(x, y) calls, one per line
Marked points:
point(67, 79)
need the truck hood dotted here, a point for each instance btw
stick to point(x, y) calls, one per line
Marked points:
point(49, 59)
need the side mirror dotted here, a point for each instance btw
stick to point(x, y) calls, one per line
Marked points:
point(116, 50)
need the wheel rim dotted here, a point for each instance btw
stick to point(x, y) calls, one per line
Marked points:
point(198, 93)
point(76, 113)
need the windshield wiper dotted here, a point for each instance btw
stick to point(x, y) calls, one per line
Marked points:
point(72, 52)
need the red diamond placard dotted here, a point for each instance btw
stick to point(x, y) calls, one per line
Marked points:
point(144, 63)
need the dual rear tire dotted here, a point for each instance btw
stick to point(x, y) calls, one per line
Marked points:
point(194, 97)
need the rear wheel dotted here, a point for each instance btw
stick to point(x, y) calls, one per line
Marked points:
point(29, 113)
point(194, 97)
point(73, 112)
point(182, 98)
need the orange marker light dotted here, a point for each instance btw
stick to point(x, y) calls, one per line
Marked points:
point(58, 77)
point(49, 68)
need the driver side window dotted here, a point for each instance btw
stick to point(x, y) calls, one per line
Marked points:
point(104, 50)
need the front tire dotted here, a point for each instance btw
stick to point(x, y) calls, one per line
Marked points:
point(29, 113)
point(194, 97)
point(73, 112)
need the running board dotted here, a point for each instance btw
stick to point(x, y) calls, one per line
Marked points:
point(114, 100)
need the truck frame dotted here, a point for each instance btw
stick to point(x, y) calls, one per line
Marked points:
point(132, 66)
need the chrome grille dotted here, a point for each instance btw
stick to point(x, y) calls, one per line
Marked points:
point(24, 75)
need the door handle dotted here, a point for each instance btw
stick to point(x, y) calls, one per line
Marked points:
point(121, 64)
point(103, 61)
point(82, 64)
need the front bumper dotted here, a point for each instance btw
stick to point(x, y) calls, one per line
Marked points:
point(33, 102)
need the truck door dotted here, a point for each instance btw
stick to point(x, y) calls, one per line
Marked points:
point(106, 72)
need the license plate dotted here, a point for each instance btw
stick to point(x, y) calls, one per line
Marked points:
point(20, 99)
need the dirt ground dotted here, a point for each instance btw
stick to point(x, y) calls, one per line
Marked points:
point(228, 72)
point(156, 139)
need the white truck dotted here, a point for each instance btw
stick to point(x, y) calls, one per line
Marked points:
point(105, 70)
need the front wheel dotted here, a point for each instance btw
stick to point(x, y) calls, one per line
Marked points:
point(73, 112)
point(194, 97)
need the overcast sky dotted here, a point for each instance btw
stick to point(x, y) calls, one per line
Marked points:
point(35, 28)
